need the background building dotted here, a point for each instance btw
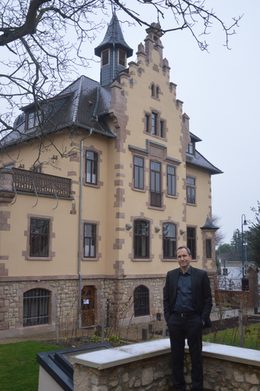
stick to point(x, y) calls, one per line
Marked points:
point(99, 186)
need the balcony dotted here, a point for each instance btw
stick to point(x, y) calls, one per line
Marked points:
point(34, 183)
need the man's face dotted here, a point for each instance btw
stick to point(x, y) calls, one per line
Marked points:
point(183, 258)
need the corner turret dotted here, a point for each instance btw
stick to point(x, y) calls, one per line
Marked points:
point(113, 51)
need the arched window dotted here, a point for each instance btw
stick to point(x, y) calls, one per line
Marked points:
point(36, 307)
point(141, 301)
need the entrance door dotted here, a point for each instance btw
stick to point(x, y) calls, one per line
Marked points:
point(88, 306)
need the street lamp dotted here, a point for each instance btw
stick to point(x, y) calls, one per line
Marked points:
point(244, 280)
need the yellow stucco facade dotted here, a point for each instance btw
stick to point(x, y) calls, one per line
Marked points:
point(113, 204)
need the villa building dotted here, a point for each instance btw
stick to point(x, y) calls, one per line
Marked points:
point(99, 185)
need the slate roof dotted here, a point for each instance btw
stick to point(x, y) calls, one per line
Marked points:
point(199, 160)
point(209, 225)
point(194, 137)
point(83, 104)
point(113, 37)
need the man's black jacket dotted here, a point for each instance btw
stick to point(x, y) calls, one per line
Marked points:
point(201, 293)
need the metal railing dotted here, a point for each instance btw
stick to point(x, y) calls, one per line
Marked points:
point(41, 184)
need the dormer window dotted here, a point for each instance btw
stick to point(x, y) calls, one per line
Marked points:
point(105, 57)
point(191, 148)
point(122, 57)
point(33, 119)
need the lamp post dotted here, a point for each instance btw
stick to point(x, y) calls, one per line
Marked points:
point(244, 280)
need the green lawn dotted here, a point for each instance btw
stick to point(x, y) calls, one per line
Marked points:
point(232, 337)
point(19, 367)
point(18, 364)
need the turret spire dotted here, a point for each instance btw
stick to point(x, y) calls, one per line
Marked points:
point(113, 51)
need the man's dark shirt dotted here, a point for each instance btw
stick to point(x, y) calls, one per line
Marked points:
point(184, 298)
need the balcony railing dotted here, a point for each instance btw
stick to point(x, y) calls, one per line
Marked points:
point(30, 182)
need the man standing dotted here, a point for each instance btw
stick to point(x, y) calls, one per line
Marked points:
point(187, 304)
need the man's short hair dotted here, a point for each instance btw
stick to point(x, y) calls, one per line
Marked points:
point(186, 248)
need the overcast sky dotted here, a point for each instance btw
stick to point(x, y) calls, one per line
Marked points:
point(220, 91)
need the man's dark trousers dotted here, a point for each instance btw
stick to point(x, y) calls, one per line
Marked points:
point(188, 326)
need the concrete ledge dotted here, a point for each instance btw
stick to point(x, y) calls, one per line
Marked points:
point(124, 354)
point(232, 353)
point(139, 351)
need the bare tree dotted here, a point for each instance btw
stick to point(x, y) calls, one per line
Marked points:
point(42, 40)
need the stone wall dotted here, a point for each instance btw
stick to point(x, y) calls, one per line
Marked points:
point(63, 306)
point(113, 306)
point(142, 367)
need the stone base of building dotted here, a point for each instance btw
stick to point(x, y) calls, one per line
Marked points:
point(70, 308)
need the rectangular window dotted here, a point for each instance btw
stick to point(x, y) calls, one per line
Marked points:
point(171, 180)
point(91, 167)
point(34, 118)
point(169, 240)
point(208, 248)
point(191, 241)
point(191, 148)
point(90, 242)
point(39, 237)
point(138, 172)
point(141, 239)
point(121, 57)
point(155, 184)
point(154, 126)
point(162, 128)
point(147, 123)
point(105, 57)
point(191, 190)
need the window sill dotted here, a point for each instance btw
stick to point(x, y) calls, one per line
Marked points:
point(141, 259)
point(191, 204)
point(169, 260)
point(156, 136)
point(139, 190)
point(171, 196)
point(85, 259)
point(95, 186)
point(38, 259)
point(159, 208)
